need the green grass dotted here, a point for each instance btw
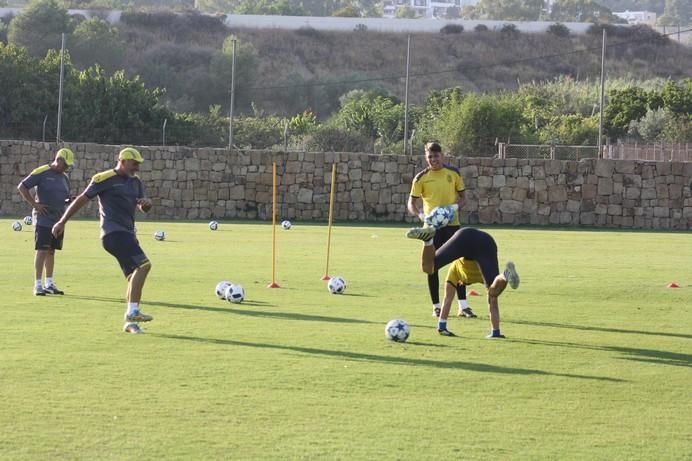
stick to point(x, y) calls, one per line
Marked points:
point(597, 364)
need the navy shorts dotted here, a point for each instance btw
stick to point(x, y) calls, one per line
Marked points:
point(125, 247)
point(45, 240)
point(470, 243)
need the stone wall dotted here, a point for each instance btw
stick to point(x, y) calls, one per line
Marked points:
point(187, 183)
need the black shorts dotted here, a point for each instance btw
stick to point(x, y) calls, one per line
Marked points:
point(470, 243)
point(125, 247)
point(43, 236)
point(443, 234)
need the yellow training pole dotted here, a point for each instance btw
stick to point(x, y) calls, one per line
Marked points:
point(273, 284)
point(329, 226)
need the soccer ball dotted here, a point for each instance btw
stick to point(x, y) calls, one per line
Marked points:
point(439, 217)
point(16, 226)
point(28, 220)
point(213, 225)
point(234, 293)
point(286, 224)
point(160, 235)
point(221, 289)
point(336, 285)
point(397, 331)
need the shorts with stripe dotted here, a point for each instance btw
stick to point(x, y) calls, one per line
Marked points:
point(125, 247)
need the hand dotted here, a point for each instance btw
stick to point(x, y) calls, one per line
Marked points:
point(40, 208)
point(58, 229)
point(144, 204)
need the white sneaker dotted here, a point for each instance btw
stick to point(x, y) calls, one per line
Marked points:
point(421, 233)
point(511, 275)
point(436, 312)
point(137, 316)
point(132, 328)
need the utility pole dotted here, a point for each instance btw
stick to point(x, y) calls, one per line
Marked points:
point(230, 116)
point(408, 62)
point(602, 101)
point(58, 135)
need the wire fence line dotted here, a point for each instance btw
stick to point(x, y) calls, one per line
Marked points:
point(655, 152)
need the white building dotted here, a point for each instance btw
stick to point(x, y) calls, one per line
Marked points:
point(425, 8)
point(638, 17)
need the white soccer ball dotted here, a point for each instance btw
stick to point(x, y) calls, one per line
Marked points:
point(28, 220)
point(16, 226)
point(221, 289)
point(213, 225)
point(286, 224)
point(397, 331)
point(336, 285)
point(439, 217)
point(160, 235)
point(234, 293)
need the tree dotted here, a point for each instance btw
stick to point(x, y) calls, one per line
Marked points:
point(676, 13)
point(39, 27)
point(508, 10)
point(96, 42)
point(406, 12)
point(347, 12)
point(582, 11)
point(273, 7)
point(220, 69)
point(623, 107)
point(677, 97)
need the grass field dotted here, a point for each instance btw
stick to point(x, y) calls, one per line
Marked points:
point(597, 363)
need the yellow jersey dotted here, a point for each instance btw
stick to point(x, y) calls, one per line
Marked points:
point(464, 271)
point(438, 188)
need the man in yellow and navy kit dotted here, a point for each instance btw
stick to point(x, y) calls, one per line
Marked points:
point(120, 193)
point(435, 186)
point(52, 193)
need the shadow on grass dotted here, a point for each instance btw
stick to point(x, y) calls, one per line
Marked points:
point(361, 357)
point(237, 311)
point(603, 329)
point(630, 353)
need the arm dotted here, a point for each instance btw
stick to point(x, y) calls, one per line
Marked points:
point(24, 192)
point(461, 199)
point(413, 209)
point(74, 207)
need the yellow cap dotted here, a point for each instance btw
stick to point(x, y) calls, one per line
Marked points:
point(67, 155)
point(130, 153)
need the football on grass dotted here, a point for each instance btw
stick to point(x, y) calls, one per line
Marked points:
point(336, 285)
point(397, 331)
point(234, 293)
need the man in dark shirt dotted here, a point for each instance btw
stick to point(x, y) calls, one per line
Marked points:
point(52, 192)
point(120, 193)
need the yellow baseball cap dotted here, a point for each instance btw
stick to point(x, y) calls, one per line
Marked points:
point(130, 153)
point(67, 155)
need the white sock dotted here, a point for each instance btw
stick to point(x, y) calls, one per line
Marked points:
point(49, 281)
point(463, 304)
point(427, 243)
point(437, 306)
point(132, 307)
point(37, 284)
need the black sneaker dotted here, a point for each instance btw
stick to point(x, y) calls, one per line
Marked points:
point(468, 313)
point(421, 233)
point(492, 336)
point(53, 290)
point(132, 328)
point(445, 332)
point(39, 291)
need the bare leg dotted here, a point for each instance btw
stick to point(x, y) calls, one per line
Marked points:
point(49, 263)
point(450, 290)
point(494, 311)
point(39, 261)
point(136, 283)
point(428, 259)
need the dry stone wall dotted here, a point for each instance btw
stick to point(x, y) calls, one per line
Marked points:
point(187, 183)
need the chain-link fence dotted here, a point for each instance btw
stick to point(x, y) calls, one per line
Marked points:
point(656, 152)
point(546, 151)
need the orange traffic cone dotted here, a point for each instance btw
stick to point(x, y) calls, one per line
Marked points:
point(673, 285)
point(474, 293)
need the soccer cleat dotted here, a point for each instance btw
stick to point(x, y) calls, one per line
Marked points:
point(53, 290)
point(137, 316)
point(421, 233)
point(495, 336)
point(445, 332)
point(132, 328)
point(511, 275)
point(436, 311)
point(39, 291)
point(468, 313)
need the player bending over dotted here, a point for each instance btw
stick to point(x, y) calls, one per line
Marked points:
point(470, 244)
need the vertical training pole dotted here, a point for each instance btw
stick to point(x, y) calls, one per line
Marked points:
point(329, 226)
point(273, 284)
